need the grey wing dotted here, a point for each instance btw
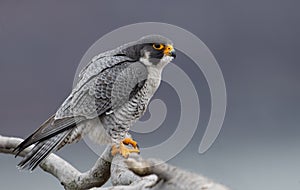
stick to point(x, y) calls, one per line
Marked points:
point(117, 85)
point(108, 90)
point(86, 78)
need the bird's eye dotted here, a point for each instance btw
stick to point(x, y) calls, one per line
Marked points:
point(158, 46)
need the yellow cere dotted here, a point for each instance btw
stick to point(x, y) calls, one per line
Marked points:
point(168, 49)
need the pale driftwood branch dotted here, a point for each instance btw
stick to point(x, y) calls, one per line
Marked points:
point(133, 173)
point(68, 176)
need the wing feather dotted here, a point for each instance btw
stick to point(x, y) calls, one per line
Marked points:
point(105, 92)
point(110, 89)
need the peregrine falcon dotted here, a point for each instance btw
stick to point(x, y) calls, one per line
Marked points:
point(112, 93)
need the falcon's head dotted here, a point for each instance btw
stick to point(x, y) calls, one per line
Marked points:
point(152, 50)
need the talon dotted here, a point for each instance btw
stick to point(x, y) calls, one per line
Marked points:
point(123, 150)
point(128, 141)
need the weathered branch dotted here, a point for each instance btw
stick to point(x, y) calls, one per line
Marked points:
point(126, 174)
point(68, 176)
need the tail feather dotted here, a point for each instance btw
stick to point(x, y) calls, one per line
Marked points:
point(46, 138)
point(48, 129)
point(41, 150)
point(28, 141)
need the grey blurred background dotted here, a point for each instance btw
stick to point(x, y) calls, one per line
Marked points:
point(256, 44)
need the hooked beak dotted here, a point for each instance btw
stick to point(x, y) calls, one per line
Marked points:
point(170, 51)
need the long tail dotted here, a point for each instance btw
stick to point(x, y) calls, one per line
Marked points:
point(46, 139)
point(41, 150)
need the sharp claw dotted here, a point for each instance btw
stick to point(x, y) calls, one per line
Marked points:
point(123, 150)
point(128, 141)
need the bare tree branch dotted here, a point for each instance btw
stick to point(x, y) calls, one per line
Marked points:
point(133, 173)
point(68, 176)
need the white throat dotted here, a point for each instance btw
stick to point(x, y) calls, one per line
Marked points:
point(155, 70)
point(162, 63)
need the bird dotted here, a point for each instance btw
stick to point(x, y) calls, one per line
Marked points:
point(112, 93)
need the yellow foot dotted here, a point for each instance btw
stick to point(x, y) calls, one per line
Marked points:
point(123, 150)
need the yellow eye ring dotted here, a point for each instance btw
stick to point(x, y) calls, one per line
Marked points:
point(158, 46)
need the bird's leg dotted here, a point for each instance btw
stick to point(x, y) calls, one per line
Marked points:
point(123, 150)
